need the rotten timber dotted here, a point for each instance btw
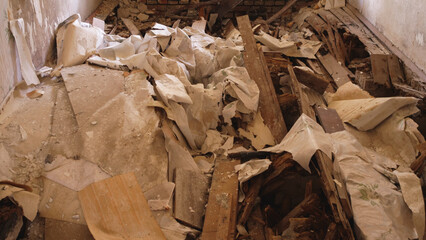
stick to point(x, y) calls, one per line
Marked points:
point(257, 68)
point(221, 212)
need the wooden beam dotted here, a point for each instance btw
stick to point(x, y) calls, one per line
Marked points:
point(221, 212)
point(131, 26)
point(286, 100)
point(281, 12)
point(257, 68)
point(379, 66)
point(301, 97)
point(410, 64)
point(312, 80)
point(190, 197)
point(339, 73)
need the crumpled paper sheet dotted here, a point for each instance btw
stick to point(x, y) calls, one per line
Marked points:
point(73, 174)
point(238, 84)
point(366, 114)
point(171, 88)
point(258, 133)
point(203, 113)
point(27, 200)
point(76, 41)
point(251, 168)
point(25, 60)
point(347, 91)
point(179, 157)
point(303, 140)
point(393, 138)
point(380, 211)
point(288, 45)
point(215, 142)
point(412, 193)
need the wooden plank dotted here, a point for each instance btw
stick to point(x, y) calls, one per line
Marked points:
point(317, 23)
point(396, 72)
point(257, 68)
point(373, 46)
point(410, 64)
point(131, 26)
point(281, 12)
point(103, 10)
point(329, 119)
point(302, 100)
point(190, 197)
point(221, 212)
point(312, 199)
point(339, 73)
point(287, 100)
point(249, 200)
point(329, 187)
point(256, 224)
point(379, 65)
point(311, 80)
point(116, 208)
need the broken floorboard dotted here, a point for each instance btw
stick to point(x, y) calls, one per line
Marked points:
point(221, 212)
point(257, 68)
point(190, 197)
point(116, 208)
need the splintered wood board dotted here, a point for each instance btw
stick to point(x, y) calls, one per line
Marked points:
point(116, 208)
point(190, 197)
point(131, 26)
point(257, 68)
point(337, 72)
point(379, 65)
point(221, 212)
point(329, 119)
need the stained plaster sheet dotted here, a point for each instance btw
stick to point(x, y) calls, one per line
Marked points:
point(123, 135)
point(171, 88)
point(60, 203)
point(25, 60)
point(252, 168)
point(303, 140)
point(217, 143)
point(25, 199)
point(379, 209)
point(74, 174)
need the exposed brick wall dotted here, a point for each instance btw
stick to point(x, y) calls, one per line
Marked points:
point(262, 8)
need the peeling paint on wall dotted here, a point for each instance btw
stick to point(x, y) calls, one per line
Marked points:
point(420, 39)
point(38, 13)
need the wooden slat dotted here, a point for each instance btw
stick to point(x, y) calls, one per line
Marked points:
point(365, 36)
point(131, 26)
point(190, 197)
point(339, 73)
point(257, 68)
point(256, 224)
point(103, 10)
point(221, 212)
point(116, 208)
point(329, 119)
point(410, 64)
point(379, 65)
point(396, 72)
point(314, 81)
point(301, 97)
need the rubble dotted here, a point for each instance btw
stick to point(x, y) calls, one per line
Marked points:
point(288, 127)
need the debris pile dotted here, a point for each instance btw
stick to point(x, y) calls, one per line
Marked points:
point(160, 130)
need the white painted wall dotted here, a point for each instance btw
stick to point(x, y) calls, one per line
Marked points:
point(41, 18)
point(403, 22)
